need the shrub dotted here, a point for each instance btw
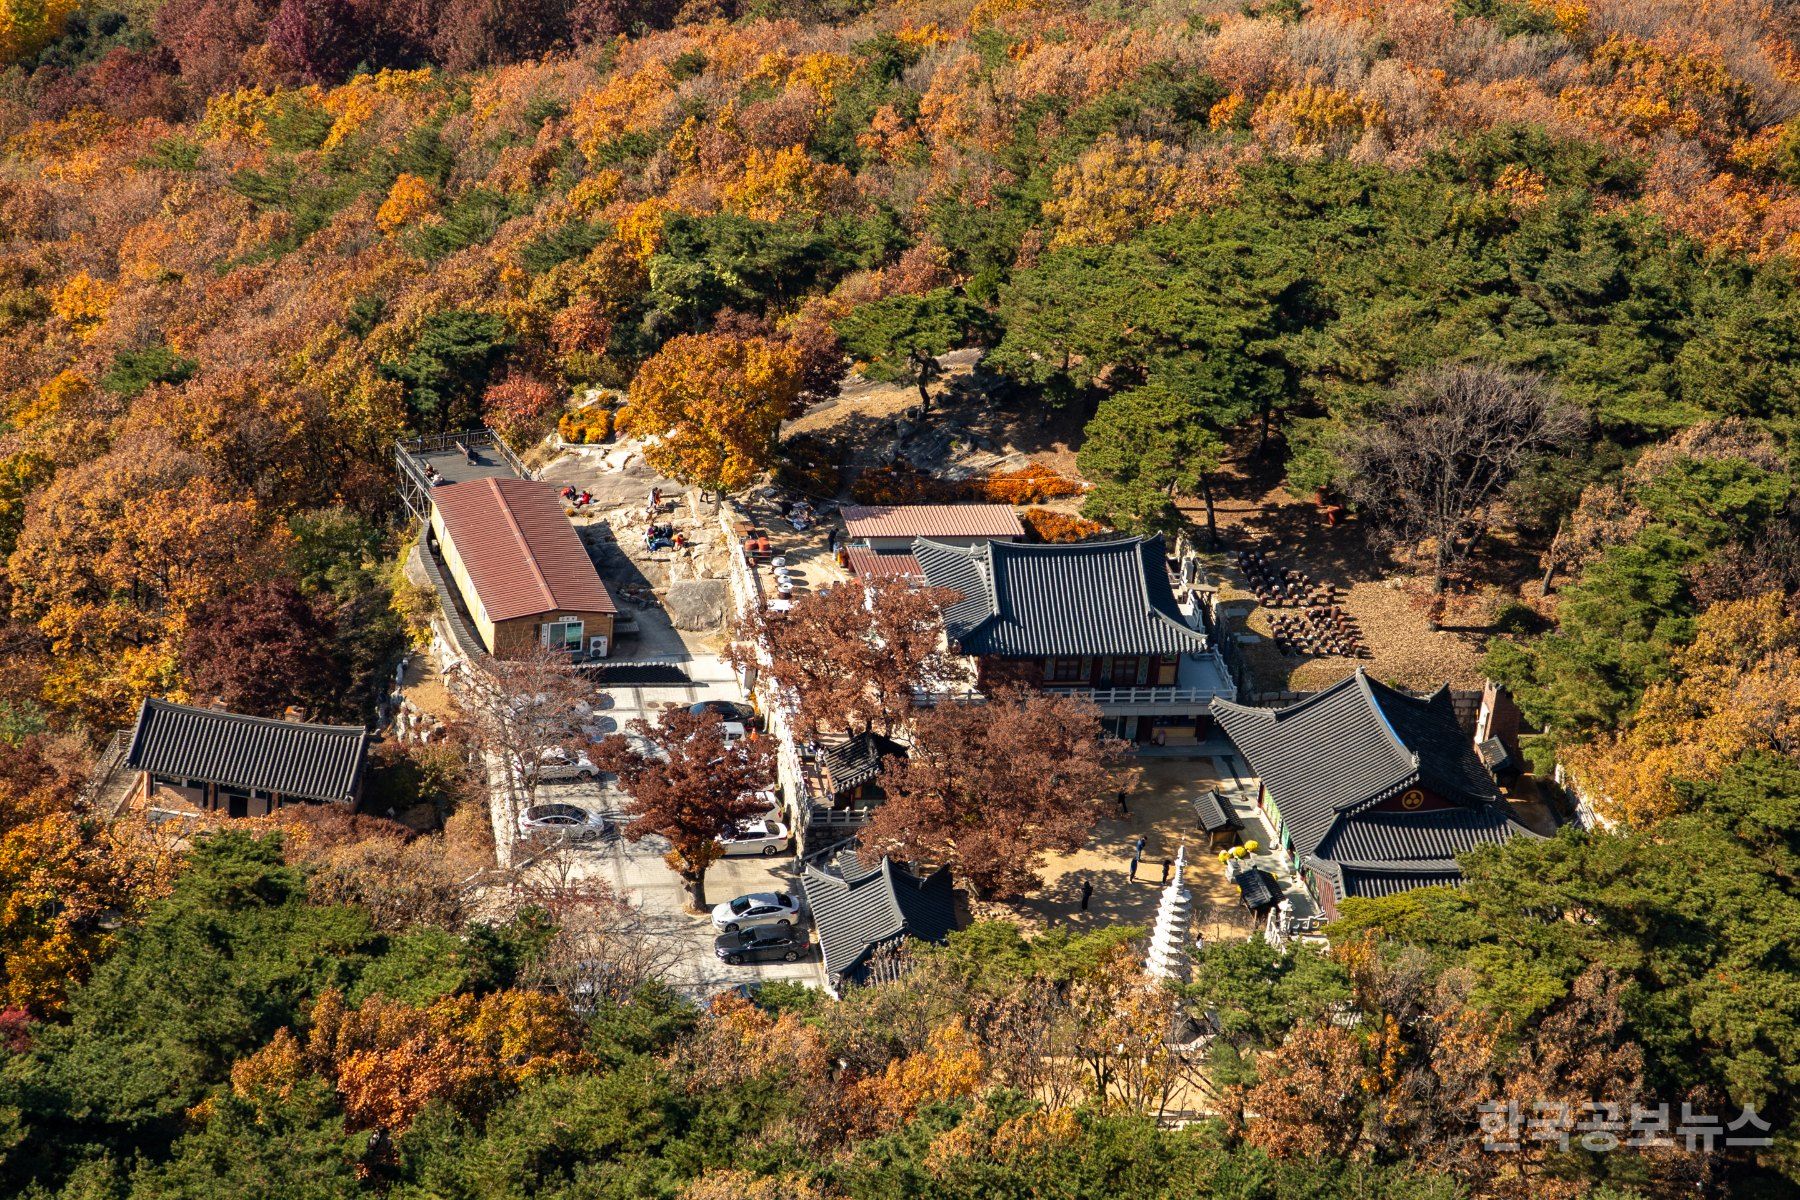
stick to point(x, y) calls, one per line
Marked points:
point(1047, 525)
point(900, 484)
point(586, 426)
point(1033, 483)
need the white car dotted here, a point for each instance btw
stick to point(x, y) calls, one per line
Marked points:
point(563, 820)
point(758, 908)
point(755, 837)
point(555, 763)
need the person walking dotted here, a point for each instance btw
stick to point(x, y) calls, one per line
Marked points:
point(1166, 865)
point(1087, 893)
point(1123, 811)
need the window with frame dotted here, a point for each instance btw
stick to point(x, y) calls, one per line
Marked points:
point(1066, 670)
point(565, 634)
point(1129, 672)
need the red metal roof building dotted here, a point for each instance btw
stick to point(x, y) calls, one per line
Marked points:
point(520, 567)
point(889, 527)
point(872, 564)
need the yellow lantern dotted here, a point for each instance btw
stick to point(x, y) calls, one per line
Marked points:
point(1250, 847)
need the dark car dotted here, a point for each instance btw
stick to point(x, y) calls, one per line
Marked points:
point(770, 944)
point(728, 710)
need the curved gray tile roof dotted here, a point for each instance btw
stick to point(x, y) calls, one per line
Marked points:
point(289, 758)
point(1378, 879)
point(854, 762)
point(1031, 601)
point(1353, 744)
point(1328, 759)
point(858, 908)
point(1403, 836)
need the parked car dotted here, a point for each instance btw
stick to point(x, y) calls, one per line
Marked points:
point(762, 945)
point(566, 820)
point(728, 710)
point(758, 908)
point(755, 837)
point(555, 763)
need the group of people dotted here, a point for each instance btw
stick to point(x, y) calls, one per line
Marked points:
point(580, 499)
point(663, 537)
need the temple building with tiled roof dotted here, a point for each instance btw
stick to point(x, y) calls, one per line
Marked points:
point(205, 760)
point(1094, 619)
point(1372, 791)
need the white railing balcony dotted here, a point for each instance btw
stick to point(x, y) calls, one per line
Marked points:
point(841, 818)
point(1148, 694)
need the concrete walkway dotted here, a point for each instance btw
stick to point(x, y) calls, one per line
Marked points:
point(1238, 788)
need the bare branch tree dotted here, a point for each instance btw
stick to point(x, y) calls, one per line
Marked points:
point(1431, 464)
point(526, 705)
point(605, 948)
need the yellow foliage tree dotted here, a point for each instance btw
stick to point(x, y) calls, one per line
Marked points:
point(1314, 117)
point(84, 302)
point(27, 26)
point(709, 407)
point(242, 114)
point(786, 183)
point(638, 102)
point(60, 871)
point(1118, 187)
point(1735, 689)
point(410, 198)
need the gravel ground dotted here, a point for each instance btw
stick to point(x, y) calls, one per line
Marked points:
point(1386, 605)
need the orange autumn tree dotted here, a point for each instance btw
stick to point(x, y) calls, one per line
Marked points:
point(1734, 690)
point(709, 407)
point(112, 557)
point(61, 869)
point(389, 1059)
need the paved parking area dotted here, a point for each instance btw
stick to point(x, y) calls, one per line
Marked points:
point(637, 873)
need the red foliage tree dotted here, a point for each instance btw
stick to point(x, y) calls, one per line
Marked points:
point(991, 788)
point(321, 39)
point(209, 37)
point(520, 407)
point(262, 649)
point(853, 654)
point(685, 784)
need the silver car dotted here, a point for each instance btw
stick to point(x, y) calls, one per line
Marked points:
point(570, 821)
point(755, 837)
point(758, 908)
point(554, 763)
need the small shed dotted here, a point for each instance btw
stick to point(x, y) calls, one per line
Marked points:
point(852, 768)
point(1216, 820)
point(859, 910)
point(1256, 889)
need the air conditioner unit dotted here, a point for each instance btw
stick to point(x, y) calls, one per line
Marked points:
point(597, 646)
